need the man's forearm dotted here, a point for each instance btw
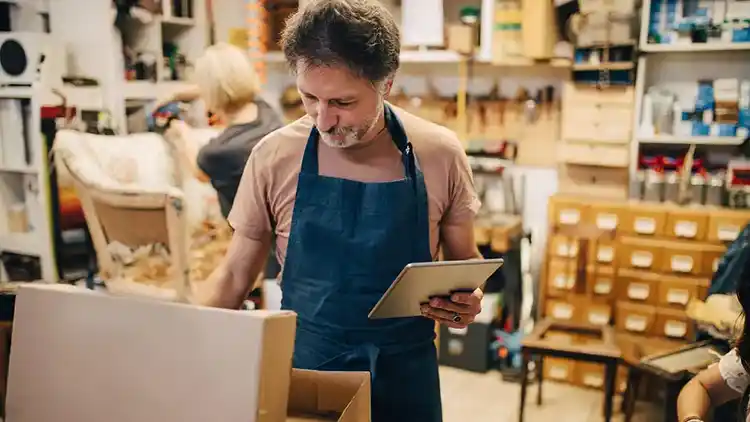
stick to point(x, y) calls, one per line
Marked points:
point(221, 290)
point(232, 281)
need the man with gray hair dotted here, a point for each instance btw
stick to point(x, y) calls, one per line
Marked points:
point(354, 191)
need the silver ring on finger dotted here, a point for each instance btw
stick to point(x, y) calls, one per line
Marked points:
point(456, 317)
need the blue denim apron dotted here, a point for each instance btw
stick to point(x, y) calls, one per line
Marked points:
point(349, 240)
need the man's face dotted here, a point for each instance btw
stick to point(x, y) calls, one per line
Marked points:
point(345, 107)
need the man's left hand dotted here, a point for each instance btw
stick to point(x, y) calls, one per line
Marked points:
point(458, 312)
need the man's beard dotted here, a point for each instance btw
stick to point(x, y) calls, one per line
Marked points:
point(345, 137)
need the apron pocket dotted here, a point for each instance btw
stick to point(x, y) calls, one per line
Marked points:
point(313, 352)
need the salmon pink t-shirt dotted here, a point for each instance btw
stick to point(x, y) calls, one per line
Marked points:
point(265, 199)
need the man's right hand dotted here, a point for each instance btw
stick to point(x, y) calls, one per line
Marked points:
point(233, 280)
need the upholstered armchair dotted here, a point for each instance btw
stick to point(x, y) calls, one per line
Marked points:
point(133, 194)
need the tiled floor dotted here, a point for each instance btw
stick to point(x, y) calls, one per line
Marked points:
point(486, 398)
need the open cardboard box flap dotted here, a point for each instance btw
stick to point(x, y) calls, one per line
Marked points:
point(344, 394)
point(91, 356)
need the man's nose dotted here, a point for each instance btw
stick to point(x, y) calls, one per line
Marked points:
point(326, 118)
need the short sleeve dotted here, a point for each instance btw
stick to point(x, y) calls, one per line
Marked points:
point(733, 372)
point(220, 162)
point(464, 201)
point(250, 215)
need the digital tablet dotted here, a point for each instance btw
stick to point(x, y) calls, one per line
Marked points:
point(419, 282)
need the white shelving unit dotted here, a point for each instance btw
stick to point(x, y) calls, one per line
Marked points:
point(678, 67)
point(25, 220)
point(95, 50)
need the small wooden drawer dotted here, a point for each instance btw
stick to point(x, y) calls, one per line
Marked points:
point(726, 225)
point(687, 223)
point(637, 286)
point(564, 247)
point(560, 370)
point(682, 258)
point(677, 291)
point(635, 318)
point(600, 282)
point(562, 310)
point(607, 216)
point(646, 220)
point(575, 95)
point(603, 253)
point(567, 211)
point(561, 278)
point(639, 254)
point(712, 255)
point(597, 314)
point(594, 182)
point(590, 375)
point(589, 154)
point(673, 324)
point(601, 124)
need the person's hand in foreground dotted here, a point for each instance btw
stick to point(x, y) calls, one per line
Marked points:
point(457, 312)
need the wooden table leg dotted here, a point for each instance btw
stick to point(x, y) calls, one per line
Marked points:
point(539, 379)
point(631, 398)
point(524, 383)
point(609, 389)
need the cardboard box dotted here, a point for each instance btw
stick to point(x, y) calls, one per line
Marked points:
point(462, 38)
point(90, 356)
point(316, 396)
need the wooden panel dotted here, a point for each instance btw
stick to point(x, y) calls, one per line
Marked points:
point(594, 155)
point(597, 182)
point(577, 94)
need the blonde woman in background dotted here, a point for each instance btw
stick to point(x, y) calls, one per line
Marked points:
point(225, 80)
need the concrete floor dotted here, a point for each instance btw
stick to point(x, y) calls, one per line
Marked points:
point(486, 398)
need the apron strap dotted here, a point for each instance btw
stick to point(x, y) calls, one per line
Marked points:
point(395, 129)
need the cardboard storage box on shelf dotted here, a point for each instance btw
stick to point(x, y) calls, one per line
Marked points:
point(89, 356)
point(316, 396)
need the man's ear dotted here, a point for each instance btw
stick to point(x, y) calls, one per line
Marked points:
point(387, 87)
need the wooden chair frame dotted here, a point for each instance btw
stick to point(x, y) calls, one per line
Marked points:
point(170, 203)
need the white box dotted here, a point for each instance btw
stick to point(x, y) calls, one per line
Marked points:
point(84, 356)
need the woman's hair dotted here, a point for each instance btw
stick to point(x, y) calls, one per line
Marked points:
point(226, 78)
point(743, 343)
point(743, 296)
point(359, 34)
